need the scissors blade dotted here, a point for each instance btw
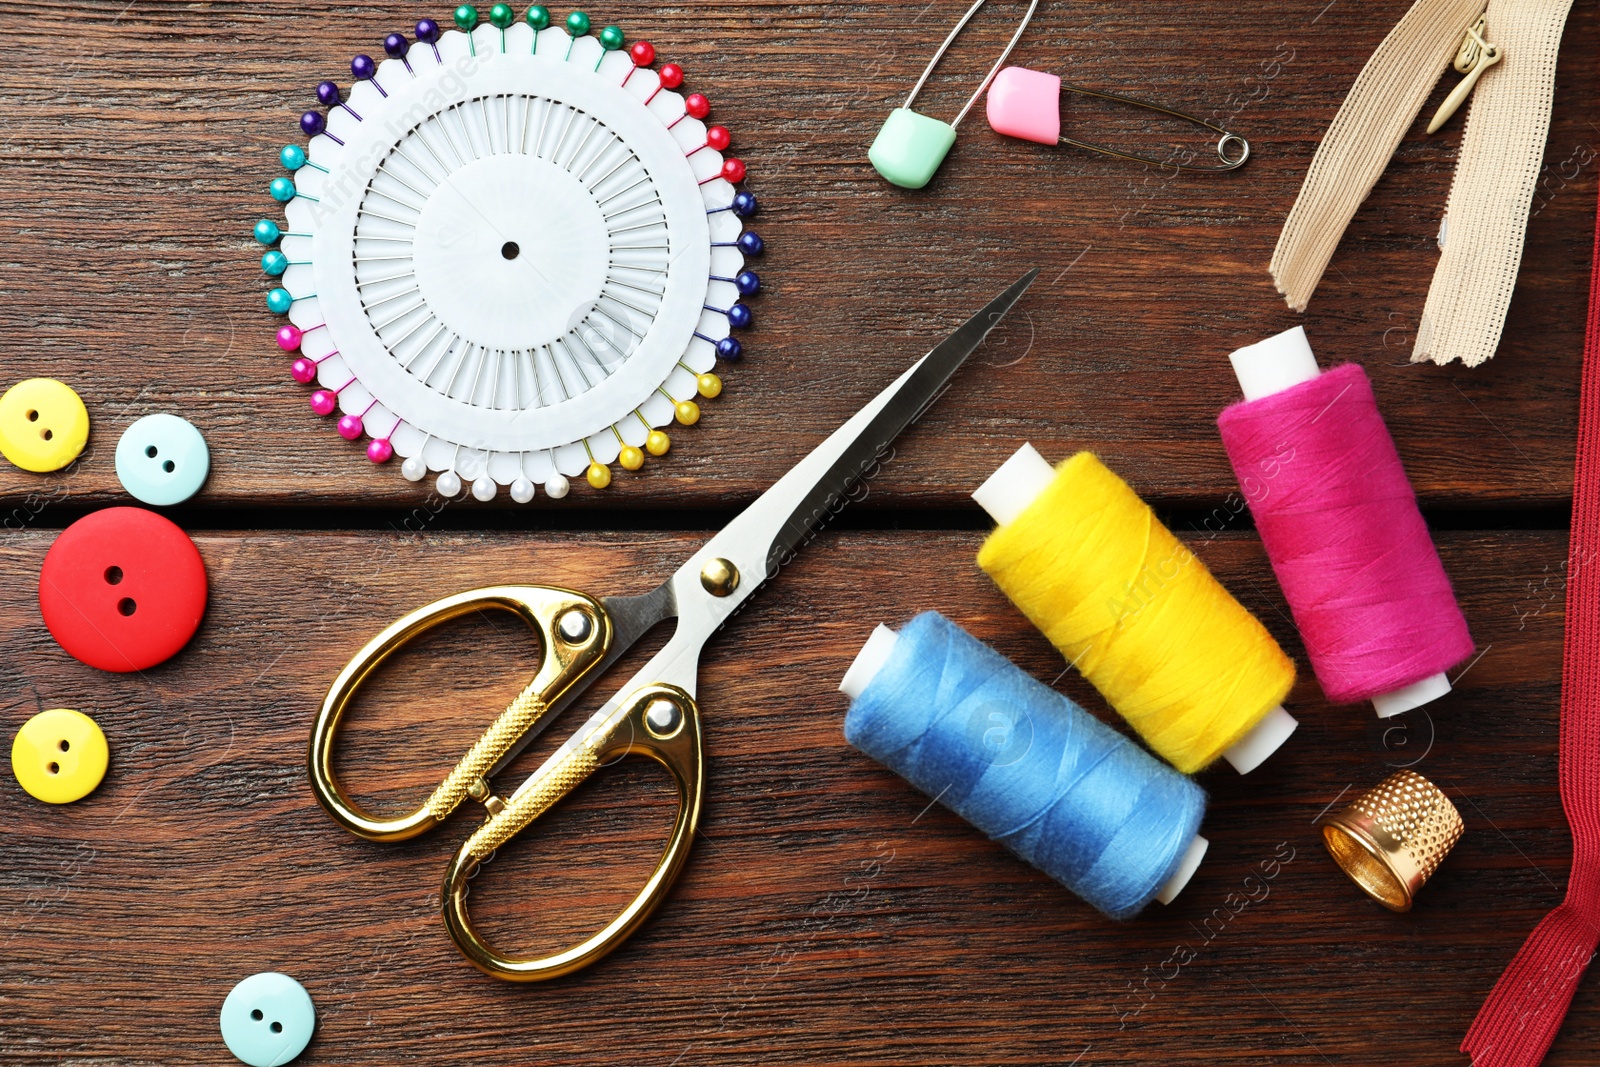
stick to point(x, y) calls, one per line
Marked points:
point(767, 534)
point(856, 450)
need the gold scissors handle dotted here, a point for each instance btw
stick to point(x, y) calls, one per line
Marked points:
point(574, 632)
point(654, 714)
point(659, 721)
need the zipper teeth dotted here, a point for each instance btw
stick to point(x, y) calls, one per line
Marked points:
point(1380, 107)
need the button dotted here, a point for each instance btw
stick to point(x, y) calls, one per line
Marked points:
point(123, 589)
point(43, 425)
point(162, 460)
point(267, 1019)
point(59, 756)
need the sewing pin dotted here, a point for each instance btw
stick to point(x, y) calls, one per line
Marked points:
point(466, 22)
point(749, 242)
point(611, 39)
point(643, 54)
point(743, 205)
point(397, 47)
point(312, 124)
point(501, 17)
point(326, 401)
point(365, 69)
point(293, 157)
point(748, 282)
point(539, 19)
point(577, 26)
point(428, 33)
point(671, 77)
point(381, 449)
point(329, 96)
point(268, 233)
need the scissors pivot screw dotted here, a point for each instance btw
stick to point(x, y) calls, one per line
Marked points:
point(663, 717)
point(575, 627)
point(720, 577)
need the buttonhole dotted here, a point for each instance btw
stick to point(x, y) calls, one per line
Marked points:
point(113, 575)
point(169, 466)
point(151, 451)
point(65, 745)
point(127, 606)
point(256, 1015)
point(55, 768)
point(33, 416)
point(511, 250)
point(276, 1028)
point(47, 434)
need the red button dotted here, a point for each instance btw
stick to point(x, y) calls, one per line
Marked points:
point(123, 589)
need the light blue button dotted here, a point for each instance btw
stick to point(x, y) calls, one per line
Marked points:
point(162, 460)
point(267, 1019)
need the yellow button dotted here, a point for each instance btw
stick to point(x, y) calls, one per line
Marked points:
point(59, 756)
point(43, 425)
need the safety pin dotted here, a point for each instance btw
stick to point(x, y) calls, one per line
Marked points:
point(910, 146)
point(1027, 104)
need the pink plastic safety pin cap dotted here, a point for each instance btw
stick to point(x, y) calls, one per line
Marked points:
point(1027, 104)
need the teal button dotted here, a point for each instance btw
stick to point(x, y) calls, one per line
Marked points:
point(267, 1019)
point(162, 460)
point(910, 148)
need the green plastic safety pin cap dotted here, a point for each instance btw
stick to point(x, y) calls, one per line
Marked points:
point(910, 147)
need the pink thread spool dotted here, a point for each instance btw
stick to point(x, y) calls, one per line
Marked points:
point(1339, 519)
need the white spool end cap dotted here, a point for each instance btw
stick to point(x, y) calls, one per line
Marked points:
point(1388, 705)
point(1273, 365)
point(1018, 483)
point(1186, 868)
point(868, 662)
point(1252, 750)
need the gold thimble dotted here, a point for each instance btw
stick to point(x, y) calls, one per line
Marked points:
point(1394, 837)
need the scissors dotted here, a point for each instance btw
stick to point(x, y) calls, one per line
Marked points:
point(654, 714)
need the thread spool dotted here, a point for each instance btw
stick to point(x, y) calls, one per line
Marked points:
point(1027, 766)
point(1340, 522)
point(1136, 612)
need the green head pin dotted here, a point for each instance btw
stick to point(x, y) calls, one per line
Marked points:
point(910, 146)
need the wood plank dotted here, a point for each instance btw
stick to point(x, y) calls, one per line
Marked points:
point(140, 138)
point(829, 913)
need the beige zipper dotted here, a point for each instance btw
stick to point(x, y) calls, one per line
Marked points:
point(1381, 106)
point(1486, 219)
point(1508, 56)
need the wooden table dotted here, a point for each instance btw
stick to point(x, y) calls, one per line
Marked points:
point(829, 914)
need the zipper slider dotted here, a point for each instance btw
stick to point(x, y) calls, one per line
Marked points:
point(1475, 56)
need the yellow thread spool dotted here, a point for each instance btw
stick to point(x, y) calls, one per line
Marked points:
point(1136, 612)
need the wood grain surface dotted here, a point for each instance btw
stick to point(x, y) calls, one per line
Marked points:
point(830, 914)
point(140, 139)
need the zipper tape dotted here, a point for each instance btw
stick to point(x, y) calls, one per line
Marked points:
point(1497, 172)
point(1380, 107)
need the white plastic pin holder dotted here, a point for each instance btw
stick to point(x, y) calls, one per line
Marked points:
point(1008, 493)
point(512, 254)
point(872, 658)
point(1281, 362)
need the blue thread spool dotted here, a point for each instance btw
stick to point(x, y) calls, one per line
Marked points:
point(1025, 765)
